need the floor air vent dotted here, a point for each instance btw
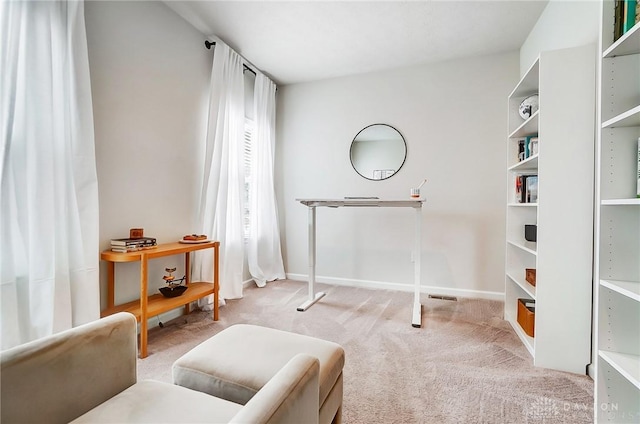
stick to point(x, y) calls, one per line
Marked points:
point(441, 297)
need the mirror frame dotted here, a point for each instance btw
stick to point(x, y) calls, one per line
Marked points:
point(404, 159)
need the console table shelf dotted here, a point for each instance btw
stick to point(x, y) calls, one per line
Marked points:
point(150, 306)
point(158, 304)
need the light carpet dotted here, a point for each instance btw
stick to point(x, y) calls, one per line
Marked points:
point(465, 364)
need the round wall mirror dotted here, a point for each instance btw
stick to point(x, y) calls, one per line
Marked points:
point(378, 152)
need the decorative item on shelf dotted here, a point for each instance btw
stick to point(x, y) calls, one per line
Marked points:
point(531, 232)
point(527, 316)
point(174, 287)
point(136, 233)
point(530, 276)
point(194, 238)
point(415, 192)
point(528, 107)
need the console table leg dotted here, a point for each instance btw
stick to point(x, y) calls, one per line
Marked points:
point(143, 306)
point(111, 276)
point(216, 281)
point(187, 273)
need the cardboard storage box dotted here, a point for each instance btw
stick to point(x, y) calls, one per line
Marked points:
point(527, 315)
point(530, 276)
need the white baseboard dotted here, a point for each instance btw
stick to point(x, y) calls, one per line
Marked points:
point(368, 284)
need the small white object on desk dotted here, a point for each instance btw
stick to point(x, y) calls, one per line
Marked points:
point(415, 192)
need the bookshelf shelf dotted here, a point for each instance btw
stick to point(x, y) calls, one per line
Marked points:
point(620, 202)
point(524, 285)
point(529, 164)
point(627, 365)
point(527, 340)
point(528, 127)
point(562, 257)
point(629, 118)
point(617, 222)
point(630, 289)
point(523, 205)
point(524, 248)
point(628, 44)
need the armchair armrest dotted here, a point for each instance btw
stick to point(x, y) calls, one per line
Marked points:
point(290, 397)
point(62, 376)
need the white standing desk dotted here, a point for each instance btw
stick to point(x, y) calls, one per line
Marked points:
point(416, 320)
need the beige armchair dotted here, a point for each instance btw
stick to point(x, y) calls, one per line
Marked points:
point(88, 374)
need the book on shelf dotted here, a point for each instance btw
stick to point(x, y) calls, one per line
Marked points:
point(526, 189)
point(531, 189)
point(628, 15)
point(521, 150)
point(533, 145)
point(133, 241)
point(132, 248)
point(625, 16)
point(527, 147)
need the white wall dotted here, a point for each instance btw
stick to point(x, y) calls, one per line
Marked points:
point(562, 24)
point(150, 76)
point(453, 117)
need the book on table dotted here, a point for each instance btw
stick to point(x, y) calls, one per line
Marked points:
point(142, 241)
point(134, 248)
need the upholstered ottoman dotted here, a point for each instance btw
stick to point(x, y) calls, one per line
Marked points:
point(235, 363)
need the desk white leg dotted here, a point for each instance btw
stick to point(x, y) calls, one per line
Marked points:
point(313, 297)
point(416, 320)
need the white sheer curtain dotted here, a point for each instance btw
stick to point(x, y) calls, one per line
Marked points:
point(264, 256)
point(222, 191)
point(49, 193)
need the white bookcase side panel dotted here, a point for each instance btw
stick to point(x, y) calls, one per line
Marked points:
point(619, 320)
point(617, 258)
point(619, 243)
point(620, 85)
point(565, 211)
point(617, 397)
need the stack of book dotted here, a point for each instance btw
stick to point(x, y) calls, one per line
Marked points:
point(526, 189)
point(527, 147)
point(124, 245)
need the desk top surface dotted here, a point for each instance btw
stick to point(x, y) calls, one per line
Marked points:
point(364, 202)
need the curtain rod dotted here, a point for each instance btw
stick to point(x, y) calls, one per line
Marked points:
point(208, 44)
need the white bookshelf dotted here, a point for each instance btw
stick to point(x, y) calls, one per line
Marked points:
point(617, 226)
point(562, 256)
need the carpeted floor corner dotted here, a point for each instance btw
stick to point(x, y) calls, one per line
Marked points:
point(464, 365)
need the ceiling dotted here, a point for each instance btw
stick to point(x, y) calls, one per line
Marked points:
point(300, 41)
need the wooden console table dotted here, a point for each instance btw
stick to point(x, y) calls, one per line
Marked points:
point(150, 306)
point(416, 204)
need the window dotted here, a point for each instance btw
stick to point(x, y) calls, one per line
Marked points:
point(246, 206)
